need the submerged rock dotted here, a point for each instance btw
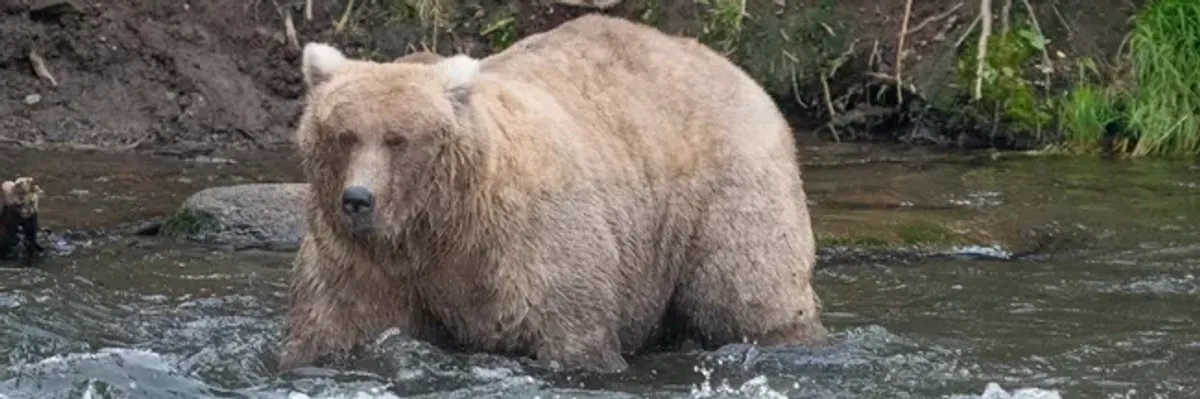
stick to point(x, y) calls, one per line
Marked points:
point(260, 215)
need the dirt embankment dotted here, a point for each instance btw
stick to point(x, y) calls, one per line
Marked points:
point(158, 74)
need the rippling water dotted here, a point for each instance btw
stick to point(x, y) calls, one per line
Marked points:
point(1115, 318)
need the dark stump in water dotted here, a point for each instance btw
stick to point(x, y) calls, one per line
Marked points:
point(19, 235)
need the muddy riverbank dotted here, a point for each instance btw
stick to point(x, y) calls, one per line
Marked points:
point(154, 74)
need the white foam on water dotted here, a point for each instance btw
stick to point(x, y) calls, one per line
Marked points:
point(981, 250)
point(756, 387)
point(144, 358)
point(356, 395)
point(994, 391)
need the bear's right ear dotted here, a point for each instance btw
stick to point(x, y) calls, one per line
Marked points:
point(459, 74)
point(319, 62)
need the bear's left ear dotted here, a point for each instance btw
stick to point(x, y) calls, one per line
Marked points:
point(319, 63)
point(459, 74)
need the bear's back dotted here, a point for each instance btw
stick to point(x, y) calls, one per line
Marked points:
point(664, 101)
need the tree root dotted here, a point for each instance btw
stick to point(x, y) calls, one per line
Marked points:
point(39, 68)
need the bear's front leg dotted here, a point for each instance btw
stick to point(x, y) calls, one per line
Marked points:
point(590, 348)
point(579, 320)
point(337, 304)
point(29, 230)
point(10, 222)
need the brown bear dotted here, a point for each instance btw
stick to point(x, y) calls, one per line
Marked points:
point(19, 201)
point(572, 199)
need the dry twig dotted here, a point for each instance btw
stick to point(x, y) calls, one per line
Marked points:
point(935, 18)
point(1038, 28)
point(290, 29)
point(875, 58)
point(883, 77)
point(985, 15)
point(345, 17)
point(900, 51)
point(829, 105)
point(308, 10)
point(1005, 15)
point(39, 68)
point(74, 146)
point(958, 43)
point(1062, 20)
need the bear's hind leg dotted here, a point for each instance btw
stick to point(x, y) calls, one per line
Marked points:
point(751, 267)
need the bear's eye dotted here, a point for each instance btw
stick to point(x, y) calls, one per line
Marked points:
point(396, 141)
point(345, 138)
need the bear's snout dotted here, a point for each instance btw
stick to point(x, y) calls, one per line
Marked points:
point(357, 201)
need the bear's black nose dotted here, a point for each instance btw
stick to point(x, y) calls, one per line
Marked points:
point(357, 199)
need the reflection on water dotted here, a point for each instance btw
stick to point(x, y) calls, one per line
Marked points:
point(150, 318)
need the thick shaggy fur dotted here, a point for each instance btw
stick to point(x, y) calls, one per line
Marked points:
point(19, 201)
point(571, 199)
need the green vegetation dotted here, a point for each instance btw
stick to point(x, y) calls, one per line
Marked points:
point(1166, 61)
point(793, 49)
point(501, 32)
point(1160, 112)
point(1008, 96)
point(1088, 111)
point(903, 231)
point(185, 222)
point(784, 48)
point(1153, 111)
point(862, 242)
point(918, 233)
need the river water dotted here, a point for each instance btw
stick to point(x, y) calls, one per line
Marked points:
point(1112, 315)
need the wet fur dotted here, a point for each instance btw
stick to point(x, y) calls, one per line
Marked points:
point(587, 184)
point(19, 220)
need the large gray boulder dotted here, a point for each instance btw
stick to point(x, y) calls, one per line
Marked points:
point(261, 215)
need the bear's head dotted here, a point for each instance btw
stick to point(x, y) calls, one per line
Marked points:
point(381, 142)
point(22, 194)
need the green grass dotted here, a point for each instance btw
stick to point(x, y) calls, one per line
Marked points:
point(501, 32)
point(723, 24)
point(1088, 111)
point(185, 222)
point(1008, 96)
point(1165, 52)
point(1159, 115)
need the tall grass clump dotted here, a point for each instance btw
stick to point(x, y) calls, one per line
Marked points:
point(1164, 109)
point(1091, 111)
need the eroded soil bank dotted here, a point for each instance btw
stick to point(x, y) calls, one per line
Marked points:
point(154, 74)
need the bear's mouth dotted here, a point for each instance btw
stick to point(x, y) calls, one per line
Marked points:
point(360, 225)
